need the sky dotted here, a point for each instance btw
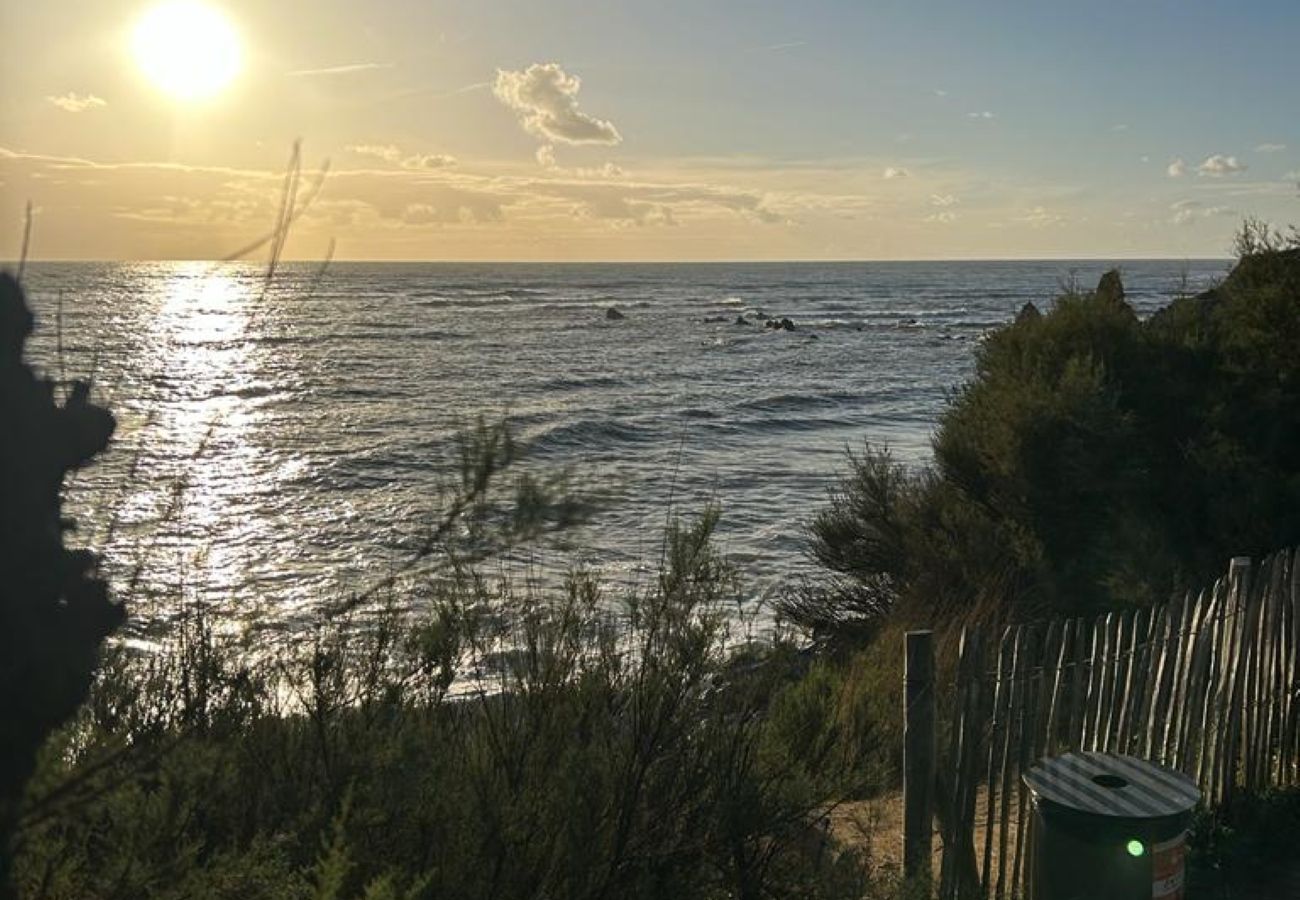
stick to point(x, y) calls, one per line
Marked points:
point(667, 130)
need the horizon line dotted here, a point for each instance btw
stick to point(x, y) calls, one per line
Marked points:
point(657, 262)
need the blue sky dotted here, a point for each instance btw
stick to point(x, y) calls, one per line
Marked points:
point(694, 130)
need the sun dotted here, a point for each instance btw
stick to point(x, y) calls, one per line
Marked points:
point(186, 49)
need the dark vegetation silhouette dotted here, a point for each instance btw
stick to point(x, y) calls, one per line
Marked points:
point(1095, 460)
point(55, 612)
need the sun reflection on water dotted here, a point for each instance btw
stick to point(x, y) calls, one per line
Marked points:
point(206, 386)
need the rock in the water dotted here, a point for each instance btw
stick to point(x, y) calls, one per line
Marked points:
point(1111, 288)
point(710, 320)
point(614, 315)
point(741, 320)
point(1028, 313)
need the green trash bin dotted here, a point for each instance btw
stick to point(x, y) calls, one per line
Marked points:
point(1108, 827)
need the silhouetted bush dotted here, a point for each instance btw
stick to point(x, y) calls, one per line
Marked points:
point(1094, 460)
point(55, 612)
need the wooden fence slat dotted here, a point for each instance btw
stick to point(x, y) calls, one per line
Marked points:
point(1189, 625)
point(1039, 653)
point(1079, 681)
point(1238, 660)
point(1162, 694)
point(1015, 728)
point(1194, 729)
point(1290, 669)
point(1096, 682)
point(1272, 674)
point(1051, 738)
point(1153, 709)
point(958, 867)
point(997, 733)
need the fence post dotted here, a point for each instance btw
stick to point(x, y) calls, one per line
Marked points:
point(918, 755)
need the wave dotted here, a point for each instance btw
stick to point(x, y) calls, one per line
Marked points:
point(589, 434)
point(580, 382)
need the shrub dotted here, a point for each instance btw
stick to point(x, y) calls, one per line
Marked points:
point(504, 743)
point(1094, 460)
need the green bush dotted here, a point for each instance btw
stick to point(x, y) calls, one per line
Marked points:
point(1094, 460)
point(502, 744)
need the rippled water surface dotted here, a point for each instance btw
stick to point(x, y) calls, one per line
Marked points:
point(281, 446)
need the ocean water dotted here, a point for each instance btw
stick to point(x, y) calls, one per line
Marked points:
point(280, 446)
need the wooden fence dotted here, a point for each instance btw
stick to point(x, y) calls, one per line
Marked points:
point(1206, 685)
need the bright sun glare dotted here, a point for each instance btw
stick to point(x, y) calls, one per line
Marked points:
point(186, 49)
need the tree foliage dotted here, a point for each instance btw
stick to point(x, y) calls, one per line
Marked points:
point(1095, 459)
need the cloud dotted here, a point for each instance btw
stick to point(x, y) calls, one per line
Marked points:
point(1177, 168)
point(1270, 148)
point(391, 153)
point(895, 172)
point(785, 45)
point(545, 98)
point(386, 152)
point(1219, 165)
point(1186, 212)
point(943, 200)
point(980, 115)
point(546, 156)
point(75, 103)
point(1041, 217)
point(940, 92)
point(945, 217)
point(349, 69)
point(1120, 127)
point(644, 203)
point(428, 161)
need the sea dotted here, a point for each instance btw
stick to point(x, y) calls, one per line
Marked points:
point(284, 443)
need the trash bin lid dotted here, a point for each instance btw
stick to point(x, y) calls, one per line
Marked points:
point(1107, 784)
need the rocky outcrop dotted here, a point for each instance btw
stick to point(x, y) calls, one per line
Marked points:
point(782, 324)
point(55, 611)
point(1111, 287)
point(613, 315)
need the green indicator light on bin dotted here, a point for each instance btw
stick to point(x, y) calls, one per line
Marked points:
point(1136, 848)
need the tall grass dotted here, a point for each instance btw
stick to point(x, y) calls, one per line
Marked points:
point(504, 742)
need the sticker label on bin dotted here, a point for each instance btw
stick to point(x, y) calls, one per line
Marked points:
point(1167, 869)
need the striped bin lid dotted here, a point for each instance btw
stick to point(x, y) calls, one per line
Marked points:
point(1107, 784)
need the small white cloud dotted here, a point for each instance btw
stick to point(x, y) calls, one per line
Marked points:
point(386, 152)
point(1218, 165)
point(943, 200)
point(895, 172)
point(391, 153)
point(546, 156)
point(75, 103)
point(1270, 148)
point(1185, 212)
point(979, 115)
point(1177, 168)
point(1119, 127)
point(1041, 217)
point(945, 217)
point(1144, 158)
point(1293, 175)
point(545, 98)
point(608, 170)
point(939, 92)
point(428, 161)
